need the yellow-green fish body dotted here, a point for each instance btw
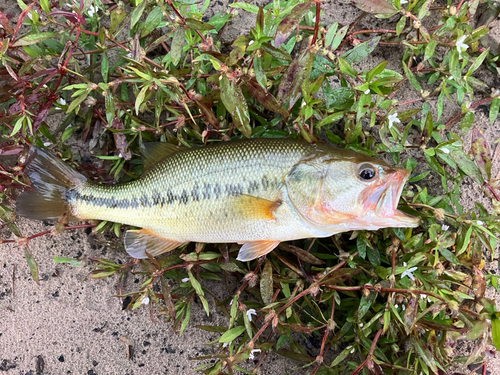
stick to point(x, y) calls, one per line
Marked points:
point(256, 192)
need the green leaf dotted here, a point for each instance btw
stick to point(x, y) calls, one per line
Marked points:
point(375, 70)
point(198, 25)
point(117, 16)
point(495, 330)
point(334, 117)
point(382, 8)
point(467, 122)
point(231, 334)
point(429, 49)
point(33, 266)
point(289, 23)
point(400, 25)
point(177, 42)
point(481, 152)
point(35, 38)
point(290, 86)
point(236, 105)
point(104, 67)
point(266, 283)
point(361, 51)
point(137, 13)
point(140, 98)
point(477, 63)
point(345, 68)
point(411, 78)
point(152, 21)
point(245, 6)
point(339, 37)
point(494, 107)
point(45, 6)
point(71, 261)
point(67, 133)
point(331, 33)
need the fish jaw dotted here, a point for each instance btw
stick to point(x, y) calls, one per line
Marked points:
point(380, 205)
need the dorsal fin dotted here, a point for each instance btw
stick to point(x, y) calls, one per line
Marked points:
point(154, 152)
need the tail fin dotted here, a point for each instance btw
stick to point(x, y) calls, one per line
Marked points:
point(51, 178)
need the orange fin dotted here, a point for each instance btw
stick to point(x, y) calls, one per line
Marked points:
point(256, 208)
point(251, 250)
point(155, 152)
point(137, 242)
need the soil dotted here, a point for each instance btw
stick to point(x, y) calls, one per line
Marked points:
point(70, 324)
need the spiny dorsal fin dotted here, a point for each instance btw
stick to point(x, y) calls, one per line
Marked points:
point(137, 242)
point(255, 208)
point(251, 250)
point(154, 152)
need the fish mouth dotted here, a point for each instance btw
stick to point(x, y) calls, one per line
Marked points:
point(383, 202)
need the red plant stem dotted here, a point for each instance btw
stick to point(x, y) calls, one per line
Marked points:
point(459, 115)
point(410, 101)
point(493, 192)
point(387, 31)
point(50, 231)
point(316, 22)
point(370, 354)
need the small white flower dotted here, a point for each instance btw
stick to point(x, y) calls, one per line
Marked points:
point(251, 42)
point(403, 307)
point(445, 150)
point(361, 325)
point(61, 101)
point(30, 16)
point(479, 222)
point(145, 301)
point(226, 344)
point(353, 350)
point(252, 353)
point(393, 118)
point(47, 144)
point(367, 91)
point(314, 19)
point(92, 10)
point(185, 280)
point(250, 312)
point(451, 78)
point(408, 272)
point(461, 46)
point(403, 2)
point(445, 227)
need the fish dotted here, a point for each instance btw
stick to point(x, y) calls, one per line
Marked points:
point(256, 192)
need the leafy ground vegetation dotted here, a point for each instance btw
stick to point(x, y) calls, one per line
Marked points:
point(391, 301)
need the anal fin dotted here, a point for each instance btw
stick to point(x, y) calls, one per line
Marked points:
point(137, 242)
point(251, 250)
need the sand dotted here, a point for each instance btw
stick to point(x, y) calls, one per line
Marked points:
point(70, 324)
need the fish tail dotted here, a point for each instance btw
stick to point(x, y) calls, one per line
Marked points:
point(52, 179)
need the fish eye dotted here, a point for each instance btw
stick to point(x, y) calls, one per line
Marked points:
point(367, 172)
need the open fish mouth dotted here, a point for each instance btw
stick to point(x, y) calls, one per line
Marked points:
point(387, 205)
point(381, 203)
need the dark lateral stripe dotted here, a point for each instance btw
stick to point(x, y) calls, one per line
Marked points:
point(155, 198)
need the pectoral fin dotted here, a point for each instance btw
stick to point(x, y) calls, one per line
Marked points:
point(250, 207)
point(137, 242)
point(251, 250)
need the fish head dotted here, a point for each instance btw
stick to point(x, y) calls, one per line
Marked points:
point(349, 191)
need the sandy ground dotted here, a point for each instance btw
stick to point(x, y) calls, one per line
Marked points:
point(72, 325)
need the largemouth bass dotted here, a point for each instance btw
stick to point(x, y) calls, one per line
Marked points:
point(257, 193)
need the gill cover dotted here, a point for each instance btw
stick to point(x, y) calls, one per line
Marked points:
point(305, 187)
